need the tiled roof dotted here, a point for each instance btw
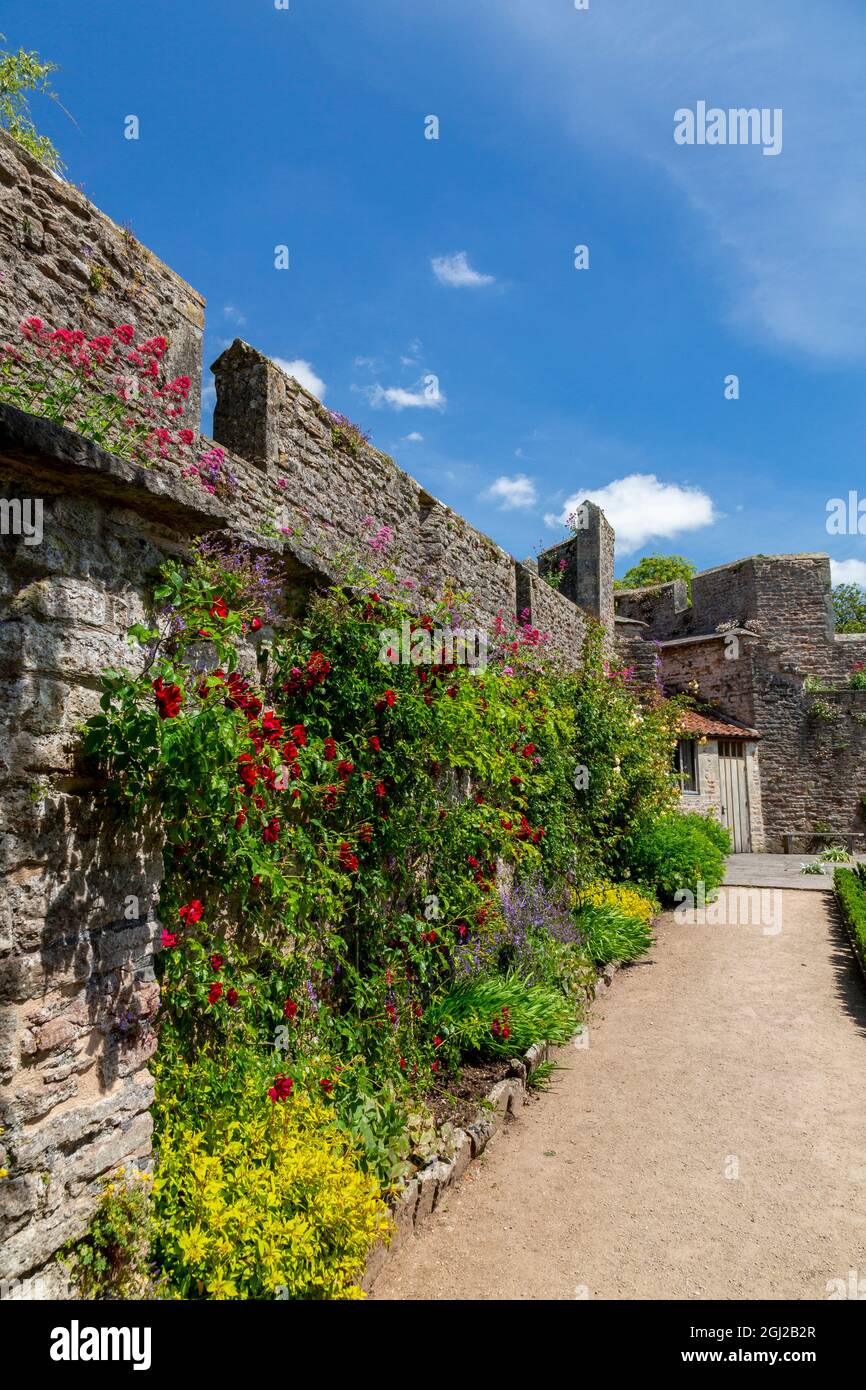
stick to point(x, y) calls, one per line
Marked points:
point(712, 726)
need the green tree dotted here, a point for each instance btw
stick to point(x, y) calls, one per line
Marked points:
point(20, 74)
point(657, 569)
point(849, 606)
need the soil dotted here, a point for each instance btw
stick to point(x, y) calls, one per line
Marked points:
point(459, 1098)
point(710, 1142)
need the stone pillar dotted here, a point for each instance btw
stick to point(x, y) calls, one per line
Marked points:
point(587, 576)
point(251, 402)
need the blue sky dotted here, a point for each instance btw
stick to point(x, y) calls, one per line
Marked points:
point(453, 258)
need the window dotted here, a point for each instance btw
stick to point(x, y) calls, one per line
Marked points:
point(686, 764)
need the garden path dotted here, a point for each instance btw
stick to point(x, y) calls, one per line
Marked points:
point(709, 1143)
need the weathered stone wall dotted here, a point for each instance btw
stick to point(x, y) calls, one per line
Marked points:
point(811, 770)
point(78, 892)
point(270, 418)
point(66, 262)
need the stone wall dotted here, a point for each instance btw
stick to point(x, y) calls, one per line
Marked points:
point(78, 893)
point(66, 262)
point(271, 419)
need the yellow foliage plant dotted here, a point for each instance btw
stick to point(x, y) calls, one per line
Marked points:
point(269, 1204)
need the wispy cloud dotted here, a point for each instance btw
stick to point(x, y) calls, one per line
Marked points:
point(425, 395)
point(456, 272)
point(640, 508)
point(234, 315)
point(413, 438)
point(303, 372)
point(514, 493)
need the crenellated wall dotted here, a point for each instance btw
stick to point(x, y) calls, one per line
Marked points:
point(78, 890)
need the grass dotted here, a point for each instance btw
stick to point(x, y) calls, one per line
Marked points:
point(608, 933)
point(531, 1013)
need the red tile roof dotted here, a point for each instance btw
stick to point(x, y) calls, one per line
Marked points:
point(711, 726)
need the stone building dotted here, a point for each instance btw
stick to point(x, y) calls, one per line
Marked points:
point(785, 751)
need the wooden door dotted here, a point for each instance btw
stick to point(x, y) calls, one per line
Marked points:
point(735, 794)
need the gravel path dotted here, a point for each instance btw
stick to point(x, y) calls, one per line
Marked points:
point(709, 1143)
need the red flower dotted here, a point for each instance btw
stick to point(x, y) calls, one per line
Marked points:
point(299, 734)
point(191, 911)
point(375, 744)
point(434, 1066)
point(318, 666)
point(437, 1041)
point(219, 608)
point(232, 996)
point(247, 770)
point(528, 750)
point(348, 860)
point(216, 990)
point(169, 939)
point(365, 833)
point(345, 769)
point(217, 963)
point(271, 727)
point(240, 818)
point(169, 699)
point(380, 789)
point(281, 1089)
point(327, 1085)
point(329, 800)
point(402, 1063)
point(256, 624)
point(431, 937)
point(290, 1008)
point(271, 832)
point(330, 750)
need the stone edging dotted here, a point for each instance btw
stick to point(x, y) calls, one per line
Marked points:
point(422, 1194)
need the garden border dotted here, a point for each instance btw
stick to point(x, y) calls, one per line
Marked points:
point(420, 1197)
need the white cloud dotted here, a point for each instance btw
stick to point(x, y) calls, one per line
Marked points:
point(512, 493)
point(640, 508)
point(303, 373)
point(233, 315)
point(413, 438)
point(426, 396)
point(458, 273)
point(848, 572)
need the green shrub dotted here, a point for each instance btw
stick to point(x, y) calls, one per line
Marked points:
point(850, 885)
point(608, 933)
point(679, 852)
point(502, 1016)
